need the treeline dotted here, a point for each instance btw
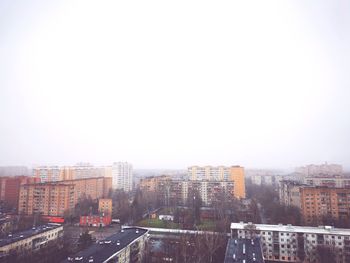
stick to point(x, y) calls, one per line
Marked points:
point(273, 212)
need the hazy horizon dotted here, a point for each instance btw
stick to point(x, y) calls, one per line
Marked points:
point(170, 85)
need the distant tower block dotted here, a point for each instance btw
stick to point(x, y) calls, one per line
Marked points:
point(237, 175)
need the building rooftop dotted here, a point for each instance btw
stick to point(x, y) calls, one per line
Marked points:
point(296, 229)
point(243, 251)
point(325, 176)
point(11, 238)
point(104, 249)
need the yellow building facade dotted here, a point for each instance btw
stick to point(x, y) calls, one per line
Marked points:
point(220, 173)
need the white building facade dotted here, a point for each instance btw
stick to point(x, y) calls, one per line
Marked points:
point(320, 169)
point(122, 174)
point(287, 243)
point(47, 173)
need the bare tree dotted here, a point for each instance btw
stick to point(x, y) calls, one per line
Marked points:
point(326, 254)
point(251, 231)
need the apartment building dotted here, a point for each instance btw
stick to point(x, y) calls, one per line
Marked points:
point(320, 202)
point(29, 241)
point(122, 174)
point(47, 173)
point(289, 193)
point(320, 169)
point(127, 246)
point(105, 206)
point(58, 198)
point(220, 173)
point(330, 181)
point(49, 199)
point(10, 186)
point(78, 171)
point(269, 180)
point(178, 192)
point(96, 187)
point(316, 202)
point(14, 171)
point(151, 183)
point(287, 243)
point(86, 170)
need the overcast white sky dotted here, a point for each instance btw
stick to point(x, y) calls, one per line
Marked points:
point(168, 84)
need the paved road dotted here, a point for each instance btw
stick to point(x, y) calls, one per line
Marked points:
point(262, 214)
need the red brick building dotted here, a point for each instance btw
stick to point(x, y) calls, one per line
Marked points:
point(95, 220)
point(10, 187)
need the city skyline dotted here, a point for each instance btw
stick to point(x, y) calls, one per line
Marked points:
point(168, 85)
point(174, 131)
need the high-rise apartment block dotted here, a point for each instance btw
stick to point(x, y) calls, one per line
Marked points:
point(95, 188)
point(49, 199)
point(289, 193)
point(79, 171)
point(180, 192)
point(316, 202)
point(151, 183)
point(330, 181)
point(220, 173)
point(59, 198)
point(10, 186)
point(86, 170)
point(287, 243)
point(47, 173)
point(14, 171)
point(323, 202)
point(122, 174)
point(321, 169)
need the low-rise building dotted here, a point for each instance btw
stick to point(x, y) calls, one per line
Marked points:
point(31, 240)
point(126, 246)
point(166, 217)
point(287, 243)
point(95, 220)
point(105, 206)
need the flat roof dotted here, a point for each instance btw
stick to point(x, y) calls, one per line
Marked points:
point(296, 229)
point(53, 183)
point(243, 250)
point(104, 249)
point(27, 233)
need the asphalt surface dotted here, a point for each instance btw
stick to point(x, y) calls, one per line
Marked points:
point(247, 250)
point(103, 249)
